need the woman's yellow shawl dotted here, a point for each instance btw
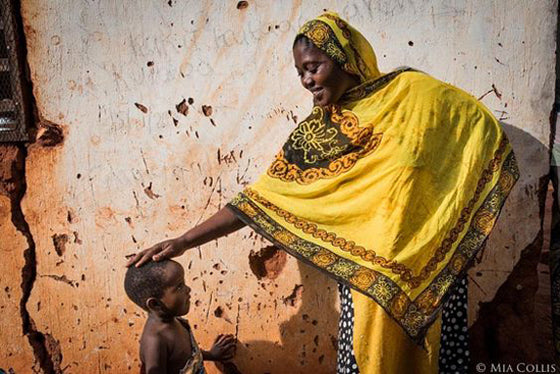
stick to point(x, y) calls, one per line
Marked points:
point(393, 191)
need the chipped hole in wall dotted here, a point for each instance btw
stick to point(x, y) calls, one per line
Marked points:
point(59, 242)
point(207, 110)
point(141, 107)
point(268, 262)
point(149, 192)
point(242, 5)
point(182, 107)
point(49, 134)
point(77, 239)
point(295, 297)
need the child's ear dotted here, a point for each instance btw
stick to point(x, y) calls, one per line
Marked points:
point(153, 304)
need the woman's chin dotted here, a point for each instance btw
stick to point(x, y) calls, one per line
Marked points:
point(321, 102)
point(324, 100)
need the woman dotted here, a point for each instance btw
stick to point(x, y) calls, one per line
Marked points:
point(391, 186)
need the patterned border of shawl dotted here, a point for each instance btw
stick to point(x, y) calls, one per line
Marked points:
point(415, 316)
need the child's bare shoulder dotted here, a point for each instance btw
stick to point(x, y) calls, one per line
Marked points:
point(156, 334)
point(155, 342)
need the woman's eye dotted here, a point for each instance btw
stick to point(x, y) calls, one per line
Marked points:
point(313, 68)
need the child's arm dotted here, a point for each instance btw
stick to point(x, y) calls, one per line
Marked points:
point(223, 349)
point(154, 352)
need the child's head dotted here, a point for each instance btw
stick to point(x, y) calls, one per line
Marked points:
point(159, 287)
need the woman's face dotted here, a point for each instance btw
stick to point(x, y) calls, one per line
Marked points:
point(320, 75)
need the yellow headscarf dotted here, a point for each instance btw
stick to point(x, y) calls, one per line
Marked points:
point(343, 44)
point(392, 191)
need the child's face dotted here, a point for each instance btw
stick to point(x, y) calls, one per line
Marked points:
point(176, 295)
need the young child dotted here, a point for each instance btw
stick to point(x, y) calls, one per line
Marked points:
point(167, 344)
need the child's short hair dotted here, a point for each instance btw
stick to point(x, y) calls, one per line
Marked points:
point(146, 281)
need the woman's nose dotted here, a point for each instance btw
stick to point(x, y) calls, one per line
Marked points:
point(308, 81)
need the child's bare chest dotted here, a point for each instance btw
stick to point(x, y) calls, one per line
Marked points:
point(181, 350)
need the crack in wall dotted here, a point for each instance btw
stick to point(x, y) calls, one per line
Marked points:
point(46, 348)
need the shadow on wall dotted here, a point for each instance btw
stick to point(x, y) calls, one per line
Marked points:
point(516, 325)
point(308, 339)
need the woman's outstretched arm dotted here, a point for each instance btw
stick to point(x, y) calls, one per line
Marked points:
point(222, 223)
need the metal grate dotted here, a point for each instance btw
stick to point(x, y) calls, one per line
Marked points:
point(12, 115)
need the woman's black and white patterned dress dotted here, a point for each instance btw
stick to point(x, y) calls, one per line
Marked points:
point(454, 350)
point(346, 361)
point(454, 345)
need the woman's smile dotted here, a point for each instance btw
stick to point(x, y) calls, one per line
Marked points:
point(320, 75)
point(317, 96)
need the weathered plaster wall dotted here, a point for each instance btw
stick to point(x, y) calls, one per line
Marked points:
point(168, 108)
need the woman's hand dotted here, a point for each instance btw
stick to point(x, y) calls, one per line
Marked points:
point(161, 251)
point(223, 348)
point(222, 223)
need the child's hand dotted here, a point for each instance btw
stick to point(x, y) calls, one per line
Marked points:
point(223, 348)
